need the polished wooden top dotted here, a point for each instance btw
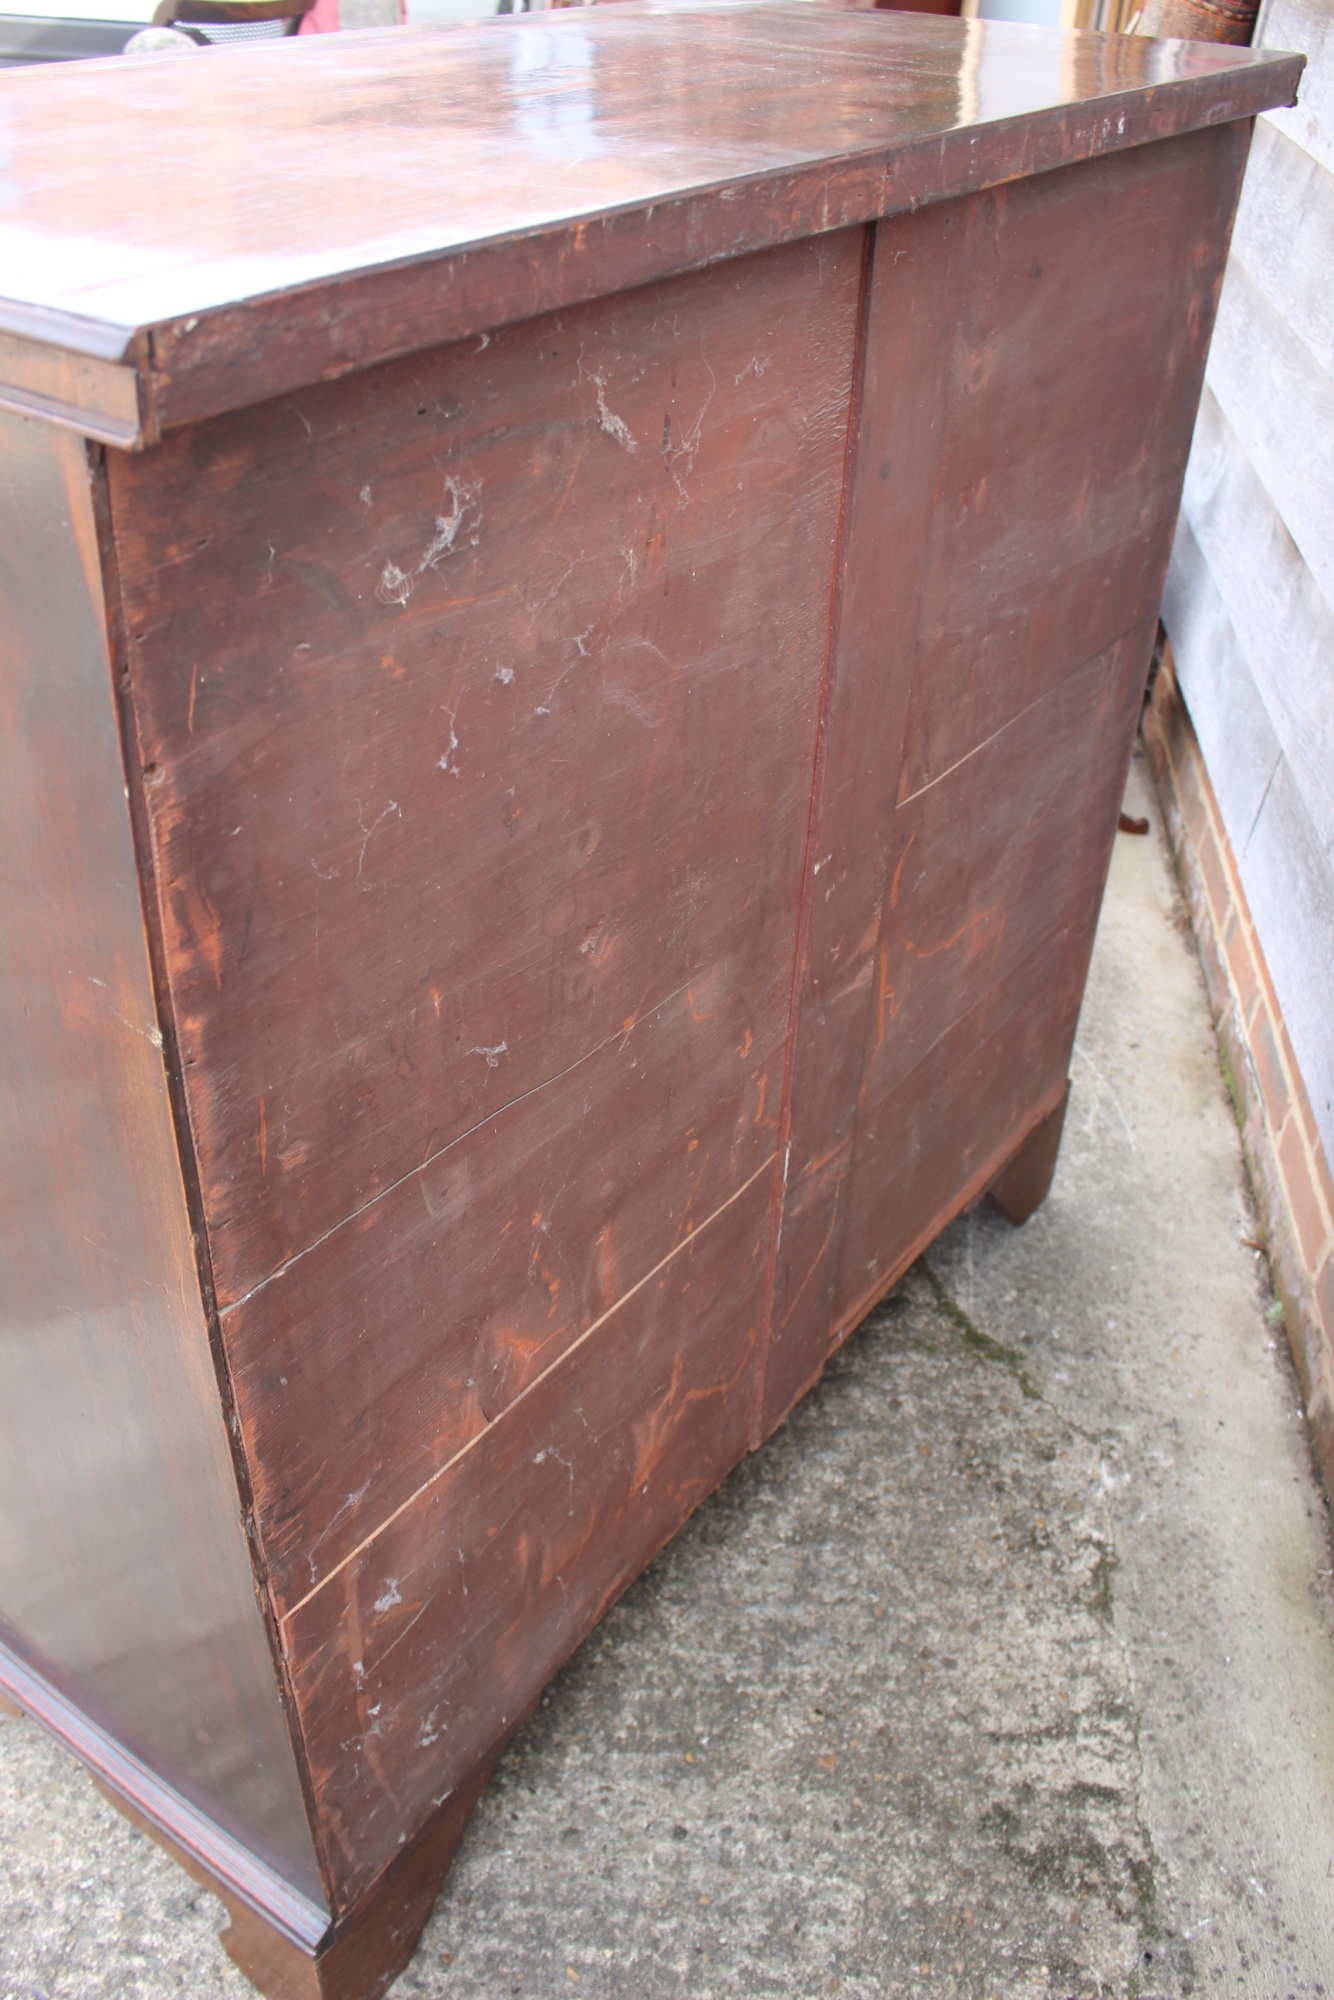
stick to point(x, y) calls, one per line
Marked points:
point(183, 235)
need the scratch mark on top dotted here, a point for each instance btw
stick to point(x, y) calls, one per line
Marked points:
point(648, 646)
point(367, 831)
point(451, 770)
point(579, 640)
point(619, 697)
point(492, 1055)
point(153, 1035)
point(690, 439)
point(535, 611)
point(396, 585)
point(608, 421)
point(463, 501)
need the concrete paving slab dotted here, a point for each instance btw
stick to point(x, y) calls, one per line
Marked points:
point(1006, 1669)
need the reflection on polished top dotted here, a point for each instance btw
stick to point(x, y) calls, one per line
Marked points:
point(150, 193)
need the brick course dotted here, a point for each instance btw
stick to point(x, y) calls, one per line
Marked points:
point(1293, 1185)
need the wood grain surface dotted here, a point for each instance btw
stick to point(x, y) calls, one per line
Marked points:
point(503, 854)
point(430, 1647)
point(627, 686)
point(1074, 372)
point(914, 289)
point(478, 701)
point(1009, 538)
point(984, 978)
point(585, 152)
point(454, 678)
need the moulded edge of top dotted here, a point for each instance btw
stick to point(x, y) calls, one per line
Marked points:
point(125, 385)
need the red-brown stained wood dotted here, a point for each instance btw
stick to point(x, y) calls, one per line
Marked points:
point(125, 1582)
point(477, 704)
point(1009, 523)
point(914, 283)
point(367, 1364)
point(1002, 861)
point(1024, 1182)
point(983, 954)
point(1072, 381)
point(620, 804)
point(427, 1647)
point(219, 292)
point(915, 1163)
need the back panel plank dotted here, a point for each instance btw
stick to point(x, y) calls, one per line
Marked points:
point(1073, 379)
point(915, 278)
point(477, 707)
point(983, 956)
point(448, 1296)
point(428, 1647)
point(1060, 327)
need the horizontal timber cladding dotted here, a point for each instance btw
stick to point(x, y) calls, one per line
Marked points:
point(1284, 621)
point(1009, 536)
point(1250, 626)
point(1305, 25)
point(1249, 603)
point(1284, 237)
point(1278, 399)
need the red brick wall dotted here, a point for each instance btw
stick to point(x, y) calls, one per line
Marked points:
point(1289, 1171)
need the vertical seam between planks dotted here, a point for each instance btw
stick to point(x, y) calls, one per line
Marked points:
point(969, 207)
point(806, 893)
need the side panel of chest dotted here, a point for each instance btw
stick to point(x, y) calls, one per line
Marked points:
point(125, 1579)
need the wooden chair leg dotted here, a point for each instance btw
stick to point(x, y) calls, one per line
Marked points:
point(1022, 1184)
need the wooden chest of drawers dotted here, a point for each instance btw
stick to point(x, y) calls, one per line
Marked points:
point(574, 598)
